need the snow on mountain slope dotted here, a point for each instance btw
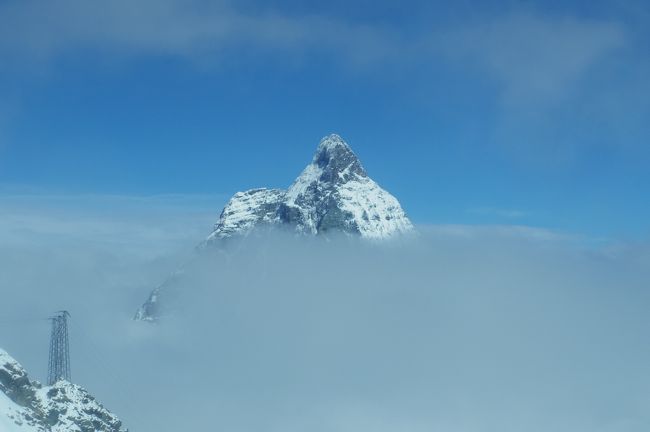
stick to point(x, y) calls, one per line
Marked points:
point(377, 213)
point(246, 210)
point(27, 406)
point(13, 417)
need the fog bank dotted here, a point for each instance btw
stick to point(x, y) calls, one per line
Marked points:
point(460, 329)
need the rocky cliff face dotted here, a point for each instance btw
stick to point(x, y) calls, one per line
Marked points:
point(332, 194)
point(28, 406)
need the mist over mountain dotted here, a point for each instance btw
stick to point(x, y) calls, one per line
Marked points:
point(332, 196)
point(460, 329)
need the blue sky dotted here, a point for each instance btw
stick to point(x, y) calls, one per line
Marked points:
point(532, 113)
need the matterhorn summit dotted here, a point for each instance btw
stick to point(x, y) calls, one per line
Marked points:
point(333, 194)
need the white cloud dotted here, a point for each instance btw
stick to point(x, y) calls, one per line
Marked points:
point(149, 225)
point(565, 85)
point(463, 329)
point(534, 56)
point(195, 30)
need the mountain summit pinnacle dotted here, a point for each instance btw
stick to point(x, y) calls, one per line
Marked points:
point(337, 160)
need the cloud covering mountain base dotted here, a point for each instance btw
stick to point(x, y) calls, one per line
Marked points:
point(460, 329)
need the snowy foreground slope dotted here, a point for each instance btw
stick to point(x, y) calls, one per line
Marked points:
point(27, 406)
point(332, 194)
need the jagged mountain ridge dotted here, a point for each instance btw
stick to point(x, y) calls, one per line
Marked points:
point(28, 406)
point(332, 194)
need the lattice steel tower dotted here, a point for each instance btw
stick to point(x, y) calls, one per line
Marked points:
point(59, 364)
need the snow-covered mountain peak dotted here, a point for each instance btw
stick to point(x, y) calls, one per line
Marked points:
point(335, 161)
point(330, 142)
point(333, 193)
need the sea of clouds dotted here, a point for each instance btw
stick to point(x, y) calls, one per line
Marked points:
point(458, 329)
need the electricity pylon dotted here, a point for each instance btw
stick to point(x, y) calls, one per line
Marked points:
point(59, 363)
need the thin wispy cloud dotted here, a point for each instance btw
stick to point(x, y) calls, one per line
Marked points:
point(536, 57)
point(565, 85)
point(194, 30)
point(530, 54)
point(100, 220)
